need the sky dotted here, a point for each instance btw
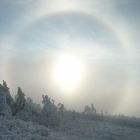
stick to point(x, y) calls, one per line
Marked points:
point(104, 34)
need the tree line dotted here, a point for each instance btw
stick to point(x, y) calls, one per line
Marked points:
point(49, 113)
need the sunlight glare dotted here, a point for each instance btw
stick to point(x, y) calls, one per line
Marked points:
point(68, 72)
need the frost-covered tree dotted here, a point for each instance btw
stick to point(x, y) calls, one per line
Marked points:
point(48, 106)
point(87, 109)
point(9, 99)
point(5, 99)
point(32, 107)
point(19, 101)
point(49, 110)
point(93, 110)
point(90, 109)
point(5, 84)
point(4, 108)
point(61, 108)
point(61, 112)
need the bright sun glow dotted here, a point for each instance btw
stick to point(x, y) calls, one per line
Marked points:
point(68, 72)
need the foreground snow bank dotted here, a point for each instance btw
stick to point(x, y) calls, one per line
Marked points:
point(16, 129)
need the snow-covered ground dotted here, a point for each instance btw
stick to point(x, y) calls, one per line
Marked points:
point(79, 129)
point(16, 129)
point(98, 130)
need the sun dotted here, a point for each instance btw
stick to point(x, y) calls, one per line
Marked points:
point(68, 72)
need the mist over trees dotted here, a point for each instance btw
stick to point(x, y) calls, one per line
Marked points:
point(38, 118)
point(20, 106)
point(24, 108)
point(48, 113)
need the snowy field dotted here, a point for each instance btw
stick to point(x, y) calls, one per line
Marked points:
point(99, 130)
point(79, 129)
point(15, 129)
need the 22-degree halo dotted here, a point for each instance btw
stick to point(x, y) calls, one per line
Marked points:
point(42, 34)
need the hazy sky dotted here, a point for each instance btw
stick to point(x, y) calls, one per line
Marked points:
point(103, 33)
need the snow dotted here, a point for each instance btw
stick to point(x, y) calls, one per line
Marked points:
point(78, 129)
point(16, 129)
point(99, 130)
